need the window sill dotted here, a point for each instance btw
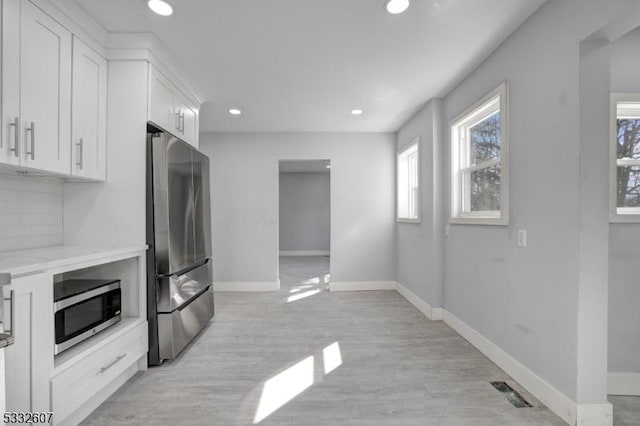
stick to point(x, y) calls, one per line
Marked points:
point(624, 218)
point(491, 221)
point(407, 220)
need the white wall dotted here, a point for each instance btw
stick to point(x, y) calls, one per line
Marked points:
point(30, 213)
point(304, 212)
point(624, 238)
point(244, 179)
point(525, 300)
point(420, 256)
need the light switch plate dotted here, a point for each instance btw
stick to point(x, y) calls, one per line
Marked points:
point(522, 237)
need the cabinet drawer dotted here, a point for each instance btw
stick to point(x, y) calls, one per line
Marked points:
point(73, 387)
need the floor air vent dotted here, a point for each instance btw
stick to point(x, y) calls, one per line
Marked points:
point(512, 395)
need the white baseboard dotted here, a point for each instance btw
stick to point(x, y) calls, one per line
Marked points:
point(559, 403)
point(246, 286)
point(594, 413)
point(436, 314)
point(590, 413)
point(433, 314)
point(304, 253)
point(362, 285)
point(624, 384)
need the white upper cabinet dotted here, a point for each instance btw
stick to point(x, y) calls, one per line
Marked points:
point(89, 113)
point(10, 139)
point(45, 91)
point(187, 121)
point(162, 101)
point(170, 109)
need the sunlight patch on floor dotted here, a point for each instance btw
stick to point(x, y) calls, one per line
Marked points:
point(283, 387)
point(288, 384)
point(332, 357)
point(299, 288)
point(303, 295)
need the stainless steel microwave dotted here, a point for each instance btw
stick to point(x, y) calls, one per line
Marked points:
point(83, 308)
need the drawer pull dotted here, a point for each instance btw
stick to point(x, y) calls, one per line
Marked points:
point(80, 154)
point(16, 134)
point(32, 129)
point(114, 362)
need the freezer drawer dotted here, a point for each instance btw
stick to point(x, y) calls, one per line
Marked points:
point(176, 329)
point(175, 290)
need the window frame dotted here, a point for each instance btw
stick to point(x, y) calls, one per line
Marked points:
point(495, 101)
point(415, 142)
point(632, 214)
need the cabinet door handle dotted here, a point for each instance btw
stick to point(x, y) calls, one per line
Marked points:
point(80, 153)
point(182, 123)
point(16, 136)
point(6, 338)
point(32, 129)
point(111, 364)
point(177, 121)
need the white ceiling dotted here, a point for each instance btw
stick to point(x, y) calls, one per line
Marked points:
point(302, 65)
point(304, 166)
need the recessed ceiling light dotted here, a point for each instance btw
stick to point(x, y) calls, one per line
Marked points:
point(235, 111)
point(356, 111)
point(160, 7)
point(395, 7)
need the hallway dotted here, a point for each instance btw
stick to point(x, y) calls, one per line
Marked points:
point(304, 355)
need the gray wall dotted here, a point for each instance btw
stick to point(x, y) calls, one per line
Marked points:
point(624, 238)
point(420, 256)
point(304, 211)
point(244, 178)
point(525, 300)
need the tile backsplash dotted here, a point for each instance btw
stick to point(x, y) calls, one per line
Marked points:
point(30, 213)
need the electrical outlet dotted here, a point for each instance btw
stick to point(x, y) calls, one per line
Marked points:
point(522, 237)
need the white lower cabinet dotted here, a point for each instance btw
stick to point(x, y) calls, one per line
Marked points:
point(76, 381)
point(80, 382)
point(31, 356)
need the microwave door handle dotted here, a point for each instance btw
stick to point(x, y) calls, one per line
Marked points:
point(65, 303)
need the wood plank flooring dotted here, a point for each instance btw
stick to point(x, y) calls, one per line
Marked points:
point(626, 410)
point(305, 356)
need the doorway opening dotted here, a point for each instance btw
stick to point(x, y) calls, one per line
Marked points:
point(304, 235)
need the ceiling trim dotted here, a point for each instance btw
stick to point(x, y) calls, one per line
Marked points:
point(147, 47)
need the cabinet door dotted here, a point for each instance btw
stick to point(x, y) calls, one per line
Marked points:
point(45, 91)
point(29, 361)
point(187, 124)
point(162, 102)
point(89, 113)
point(10, 137)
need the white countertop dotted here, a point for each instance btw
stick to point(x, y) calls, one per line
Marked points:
point(24, 262)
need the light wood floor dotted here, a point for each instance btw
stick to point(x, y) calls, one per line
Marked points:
point(626, 410)
point(304, 356)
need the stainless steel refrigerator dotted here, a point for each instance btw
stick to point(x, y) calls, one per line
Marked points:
point(179, 273)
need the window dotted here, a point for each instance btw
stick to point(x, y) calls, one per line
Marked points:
point(409, 182)
point(625, 158)
point(479, 169)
